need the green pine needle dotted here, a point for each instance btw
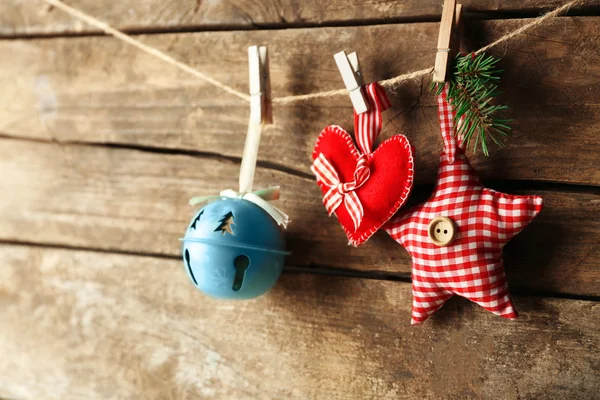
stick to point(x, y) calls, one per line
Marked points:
point(472, 89)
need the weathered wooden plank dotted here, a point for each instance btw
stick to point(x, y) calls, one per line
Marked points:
point(35, 17)
point(134, 201)
point(94, 89)
point(90, 325)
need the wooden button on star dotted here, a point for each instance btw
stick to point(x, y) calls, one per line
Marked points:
point(441, 231)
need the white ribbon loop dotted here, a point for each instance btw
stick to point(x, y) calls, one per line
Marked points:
point(339, 192)
point(259, 197)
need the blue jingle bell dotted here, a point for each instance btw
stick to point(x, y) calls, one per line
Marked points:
point(233, 249)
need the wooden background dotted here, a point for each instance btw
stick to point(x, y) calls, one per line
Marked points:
point(101, 146)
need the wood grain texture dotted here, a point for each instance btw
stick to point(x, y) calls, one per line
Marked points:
point(89, 325)
point(135, 201)
point(97, 90)
point(33, 17)
point(101, 147)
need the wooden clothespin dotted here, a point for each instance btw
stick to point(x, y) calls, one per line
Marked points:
point(261, 110)
point(448, 40)
point(353, 79)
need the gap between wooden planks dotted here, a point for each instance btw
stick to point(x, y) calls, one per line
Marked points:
point(135, 201)
point(31, 17)
point(97, 90)
point(80, 324)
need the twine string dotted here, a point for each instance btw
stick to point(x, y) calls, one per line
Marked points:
point(145, 48)
point(390, 83)
point(538, 21)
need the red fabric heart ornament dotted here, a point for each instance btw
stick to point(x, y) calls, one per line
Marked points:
point(364, 188)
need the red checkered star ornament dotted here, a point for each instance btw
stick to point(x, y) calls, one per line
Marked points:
point(456, 237)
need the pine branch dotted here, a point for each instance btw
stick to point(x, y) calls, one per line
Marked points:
point(472, 89)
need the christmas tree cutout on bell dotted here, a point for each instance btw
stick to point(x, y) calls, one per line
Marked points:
point(226, 222)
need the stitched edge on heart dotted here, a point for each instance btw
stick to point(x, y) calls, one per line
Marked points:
point(336, 129)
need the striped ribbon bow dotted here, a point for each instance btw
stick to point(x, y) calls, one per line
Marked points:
point(339, 192)
point(367, 127)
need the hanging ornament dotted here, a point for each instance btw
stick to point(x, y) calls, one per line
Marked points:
point(364, 188)
point(234, 247)
point(456, 238)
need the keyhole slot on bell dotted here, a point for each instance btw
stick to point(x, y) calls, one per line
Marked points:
point(241, 264)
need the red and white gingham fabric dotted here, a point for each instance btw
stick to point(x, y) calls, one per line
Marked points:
point(446, 115)
point(485, 220)
point(367, 127)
